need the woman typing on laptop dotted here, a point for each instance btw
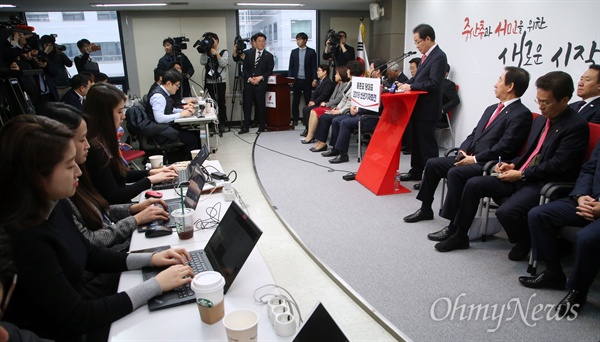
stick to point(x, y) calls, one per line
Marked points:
point(104, 105)
point(37, 165)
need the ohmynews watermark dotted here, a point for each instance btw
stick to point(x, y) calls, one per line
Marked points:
point(445, 308)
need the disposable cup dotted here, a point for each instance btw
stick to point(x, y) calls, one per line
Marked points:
point(194, 153)
point(241, 325)
point(156, 161)
point(208, 288)
point(184, 222)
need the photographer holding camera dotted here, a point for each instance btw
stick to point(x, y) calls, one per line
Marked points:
point(60, 61)
point(337, 50)
point(173, 47)
point(85, 62)
point(215, 76)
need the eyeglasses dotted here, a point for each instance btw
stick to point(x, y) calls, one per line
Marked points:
point(177, 85)
point(543, 103)
point(417, 42)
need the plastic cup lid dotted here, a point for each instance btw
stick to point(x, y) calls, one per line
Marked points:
point(208, 281)
point(186, 212)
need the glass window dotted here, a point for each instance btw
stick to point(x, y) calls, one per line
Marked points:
point(107, 15)
point(37, 16)
point(278, 26)
point(97, 27)
point(301, 26)
point(73, 16)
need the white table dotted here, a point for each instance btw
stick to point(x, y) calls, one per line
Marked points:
point(195, 122)
point(183, 323)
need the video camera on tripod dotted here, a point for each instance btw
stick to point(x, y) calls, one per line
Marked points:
point(204, 44)
point(334, 38)
point(240, 44)
point(179, 43)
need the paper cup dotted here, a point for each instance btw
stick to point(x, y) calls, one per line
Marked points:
point(208, 288)
point(156, 161)
point(184, 222)
point(241, 326)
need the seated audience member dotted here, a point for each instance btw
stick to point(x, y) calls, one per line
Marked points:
point(588, 89)
point(342, 86)
point(554, 152)
point(341, 130)
point(178, 100)
point(109, 175)
point(580, 209)
point(450, 99)
point(394, 75)
point(101, 78)
point(413, 65)
point(158, 75)
point(501, 132)
point(160, 108)
point(80, 85)
point(48, 250)
point(355, 68)
point(320, 95)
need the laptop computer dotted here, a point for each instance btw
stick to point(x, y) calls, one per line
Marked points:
point(320, 326)
point(226, 252)
point(186, 174)
point(191, 197)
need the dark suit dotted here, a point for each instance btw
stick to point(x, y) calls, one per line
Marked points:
point(559, 160)
point(429, 77)
point(503, 138)
point(546, 220)
point(340, 58)
point(302, 86)
point(166, 62)
point(255, 94)
point(322, 93)
point(590, 112)
point(450, 100)
point(71, 98)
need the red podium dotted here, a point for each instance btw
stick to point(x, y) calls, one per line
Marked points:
point(382, 158)
point(278, 103)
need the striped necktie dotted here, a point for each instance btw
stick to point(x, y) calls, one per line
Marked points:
point(257, 58)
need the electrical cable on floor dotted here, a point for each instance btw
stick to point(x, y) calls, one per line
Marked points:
point(329, 169)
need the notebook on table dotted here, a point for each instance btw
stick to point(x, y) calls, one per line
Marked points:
point(320, 327)
point(226, 252)
point(186, 174)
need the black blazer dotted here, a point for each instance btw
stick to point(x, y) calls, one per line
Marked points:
point(591, 111)
point(563, 150)
point(429, 77)
point(310, 64)
point(71, 98)
point(264, 67)
point(450, 97)
point(504, 137)
point(323, 91)
point(588, 182)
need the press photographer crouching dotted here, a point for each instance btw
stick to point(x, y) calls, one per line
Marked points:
point(215, 76)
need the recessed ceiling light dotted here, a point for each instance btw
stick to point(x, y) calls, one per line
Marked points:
point(154, 4)
point(269, 4)
point(7, 6)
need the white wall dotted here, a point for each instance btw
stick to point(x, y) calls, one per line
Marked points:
point(475, 61)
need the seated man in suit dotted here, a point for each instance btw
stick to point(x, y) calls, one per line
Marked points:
point(581, 209)
point(160, 108)
point(555, 149)
point(588, 89)
point(158, 75)
point(80, 84)
point(394, 75)
point(501, 132)
point(341, 130)
point(450, 99)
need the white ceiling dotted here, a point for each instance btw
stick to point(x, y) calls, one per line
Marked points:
point(179, 5)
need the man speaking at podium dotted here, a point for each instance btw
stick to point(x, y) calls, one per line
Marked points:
point(429, 78)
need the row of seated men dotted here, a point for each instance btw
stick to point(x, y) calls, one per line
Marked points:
point(530, 153)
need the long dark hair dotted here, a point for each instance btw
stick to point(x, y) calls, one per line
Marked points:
point(32, 146)
point(101, 100)
point(86, 198)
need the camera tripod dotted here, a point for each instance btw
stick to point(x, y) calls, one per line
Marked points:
point(216, 90)
point(237, 91)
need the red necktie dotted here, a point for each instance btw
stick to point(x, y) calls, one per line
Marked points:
point(538, 147)
point(423, 58)
point(496, 113)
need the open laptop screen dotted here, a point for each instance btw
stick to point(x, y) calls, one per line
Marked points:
point(231, 244)
point(195, 188)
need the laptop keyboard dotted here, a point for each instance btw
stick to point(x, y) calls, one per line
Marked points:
point(198, 265)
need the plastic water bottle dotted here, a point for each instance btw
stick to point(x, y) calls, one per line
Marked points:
point(397, 180)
